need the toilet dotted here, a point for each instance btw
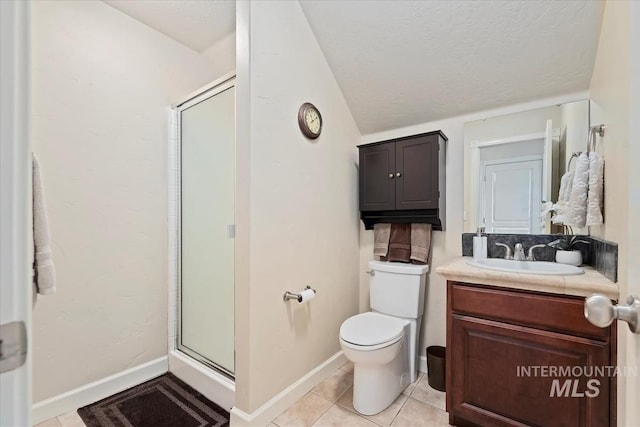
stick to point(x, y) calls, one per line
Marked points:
point(382, 343)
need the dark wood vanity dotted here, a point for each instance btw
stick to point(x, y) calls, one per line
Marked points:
point(502, 345)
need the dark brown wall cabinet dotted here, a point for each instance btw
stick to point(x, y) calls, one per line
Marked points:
point(403, 180)
point(495, 334)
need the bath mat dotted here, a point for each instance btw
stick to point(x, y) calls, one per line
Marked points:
point(165, 401)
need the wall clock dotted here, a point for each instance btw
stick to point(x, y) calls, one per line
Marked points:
point(310, 120)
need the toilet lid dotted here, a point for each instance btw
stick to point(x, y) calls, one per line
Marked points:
point(371, 329)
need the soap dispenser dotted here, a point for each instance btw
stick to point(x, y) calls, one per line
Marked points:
point(480, 244)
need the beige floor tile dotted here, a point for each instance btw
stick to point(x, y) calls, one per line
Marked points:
point(333, 387)
point(411, 386)
point(304, 412)
point(340, 417)
point(383, 418)
point(418, 414)
point(53, 422)
point(347, 367)
point(71, 419)
point(425, 394)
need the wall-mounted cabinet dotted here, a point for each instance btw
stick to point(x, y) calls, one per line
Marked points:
point(403, 180)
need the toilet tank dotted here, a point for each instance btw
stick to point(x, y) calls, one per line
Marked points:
point(397, 289)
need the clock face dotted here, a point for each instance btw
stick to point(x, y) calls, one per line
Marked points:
point(310, 120)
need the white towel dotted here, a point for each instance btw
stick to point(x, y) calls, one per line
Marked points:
point(576, 213)
point(596, 181)
point(44, 270)
point(566, 183)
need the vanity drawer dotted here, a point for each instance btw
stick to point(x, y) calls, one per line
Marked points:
point(550, 312)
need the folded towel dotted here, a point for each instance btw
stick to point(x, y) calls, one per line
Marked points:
point(576, 215)
point(420, 242)
point(399, 243)
point(381, 234)
point(44, 269)
point(596, 184)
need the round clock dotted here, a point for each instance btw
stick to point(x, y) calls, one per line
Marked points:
point(310, 120)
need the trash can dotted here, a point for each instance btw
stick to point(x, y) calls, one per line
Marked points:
point(436, 367)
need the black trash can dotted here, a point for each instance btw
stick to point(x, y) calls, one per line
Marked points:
point(436, 367)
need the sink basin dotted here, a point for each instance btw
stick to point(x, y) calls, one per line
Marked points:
point(526, 267)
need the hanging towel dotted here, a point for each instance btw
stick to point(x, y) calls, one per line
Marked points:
point(420, 243)
point(381, 234)
point(399, 243)
point(576, 215)
point(44, 272)
point(596, 184)
point(566, 183)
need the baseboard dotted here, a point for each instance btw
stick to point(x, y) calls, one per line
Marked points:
point(215, 387)
point(283, 400)
point(97, 390)
point(422, 364)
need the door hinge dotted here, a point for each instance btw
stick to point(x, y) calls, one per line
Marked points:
point(13, 346)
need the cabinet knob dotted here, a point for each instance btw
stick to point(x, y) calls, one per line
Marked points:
point(390, 175)
point(398, 174)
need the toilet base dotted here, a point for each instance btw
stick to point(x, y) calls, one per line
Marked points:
point(377, 387)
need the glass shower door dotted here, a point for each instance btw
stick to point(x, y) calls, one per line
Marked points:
point(207, 198)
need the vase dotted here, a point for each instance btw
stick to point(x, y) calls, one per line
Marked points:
point(569, 257)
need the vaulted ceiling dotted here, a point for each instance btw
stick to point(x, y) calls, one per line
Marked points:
point(401, 63)
point(197, 24)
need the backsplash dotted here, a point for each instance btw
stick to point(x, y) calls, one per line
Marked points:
point(599, 254)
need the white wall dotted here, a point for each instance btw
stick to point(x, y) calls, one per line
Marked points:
point(102, 85)
point(445, 245)
point(611, 99)
point(632, 391)
point(303, 217)
point(222, 55)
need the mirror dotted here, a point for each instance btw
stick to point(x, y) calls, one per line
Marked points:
point(514, 163)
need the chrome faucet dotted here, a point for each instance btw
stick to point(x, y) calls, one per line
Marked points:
point(530, 256)
point(507, 254)
point(518, 254)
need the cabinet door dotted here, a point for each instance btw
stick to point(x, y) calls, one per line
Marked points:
point(377, 177)
point(489, 385)
point(417, 163)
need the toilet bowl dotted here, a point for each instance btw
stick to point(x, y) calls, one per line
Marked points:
point(382, 343)
point(376, 344)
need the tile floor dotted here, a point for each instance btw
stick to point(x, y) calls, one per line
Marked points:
point(330, 403)
point(70, 419)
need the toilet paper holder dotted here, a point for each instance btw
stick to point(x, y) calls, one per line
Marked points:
point(290, 295)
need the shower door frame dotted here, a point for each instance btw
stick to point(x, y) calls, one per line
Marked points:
point(218, 86)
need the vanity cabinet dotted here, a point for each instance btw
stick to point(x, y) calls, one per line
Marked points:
point(402, 180)
point(509, 350)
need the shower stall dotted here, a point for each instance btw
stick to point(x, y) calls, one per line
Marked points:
point(201, 241)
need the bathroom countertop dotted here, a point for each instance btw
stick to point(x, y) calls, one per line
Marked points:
point(579, 285)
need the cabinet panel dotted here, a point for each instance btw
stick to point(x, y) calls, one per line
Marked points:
point(377, 177)
point(417, 163)
point(485, 386)
point(543, 311)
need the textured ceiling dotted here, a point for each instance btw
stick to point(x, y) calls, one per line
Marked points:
point(195, 23)
point(401, 63)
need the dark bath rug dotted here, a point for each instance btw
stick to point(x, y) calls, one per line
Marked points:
point(165, 401)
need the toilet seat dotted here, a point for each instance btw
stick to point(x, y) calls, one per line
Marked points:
point(370, 331)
